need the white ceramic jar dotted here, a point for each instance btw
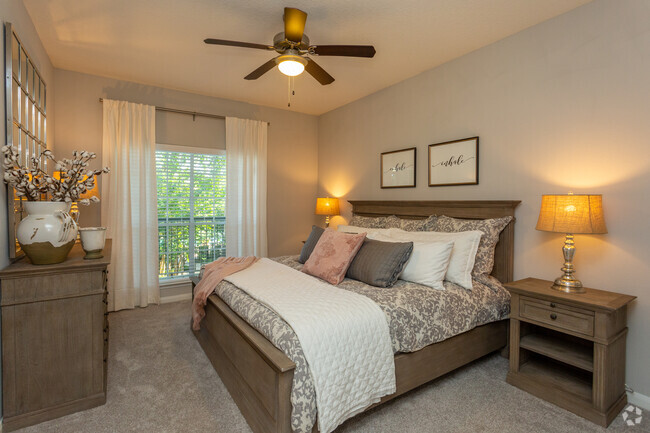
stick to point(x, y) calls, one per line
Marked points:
point(48, 233)
point(92, 241)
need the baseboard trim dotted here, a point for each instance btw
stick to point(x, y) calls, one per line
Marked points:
point(174, 298)
point(640, 400)
point(175, 291)
point(38, 416)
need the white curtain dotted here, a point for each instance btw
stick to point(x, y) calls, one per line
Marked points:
point(129, 203)
point(246, 187)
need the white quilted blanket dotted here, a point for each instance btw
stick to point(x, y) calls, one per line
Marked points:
point(344, 336)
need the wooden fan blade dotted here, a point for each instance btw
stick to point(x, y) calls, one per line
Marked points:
point(266, 67)
point(294, 24)
point(344, 50)
point(237, 44)
point(319, 73)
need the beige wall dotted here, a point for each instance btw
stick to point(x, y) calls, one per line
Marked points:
point(561, 106)
point(292, 143)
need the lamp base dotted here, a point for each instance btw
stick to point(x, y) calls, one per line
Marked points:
point(568, 284)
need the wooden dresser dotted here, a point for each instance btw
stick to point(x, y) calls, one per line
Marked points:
point(54, 338)
point(569, 349)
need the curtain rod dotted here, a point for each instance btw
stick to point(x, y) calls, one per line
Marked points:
point(191, 113)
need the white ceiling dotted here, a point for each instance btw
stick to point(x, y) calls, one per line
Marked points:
point(160, 42)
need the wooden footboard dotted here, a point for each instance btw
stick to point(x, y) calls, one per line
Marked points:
point(259, 376)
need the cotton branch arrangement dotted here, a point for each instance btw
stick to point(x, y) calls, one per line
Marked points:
point(33, 183)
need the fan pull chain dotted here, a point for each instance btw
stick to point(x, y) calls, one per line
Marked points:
point(292, 91)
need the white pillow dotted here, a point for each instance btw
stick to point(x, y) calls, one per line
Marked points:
point(463, 254)
point(428, 262)
point(356, 230)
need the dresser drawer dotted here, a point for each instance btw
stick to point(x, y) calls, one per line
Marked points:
point(558, 315)
point(47, 287)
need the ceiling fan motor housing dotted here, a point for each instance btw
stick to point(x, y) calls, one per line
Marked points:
point(282, 44)
point(291, 55)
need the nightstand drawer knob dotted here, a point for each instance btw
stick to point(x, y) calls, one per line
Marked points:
point(553, 305)
point(553, 316)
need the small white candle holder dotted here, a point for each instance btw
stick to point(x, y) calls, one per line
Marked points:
point(92, 241)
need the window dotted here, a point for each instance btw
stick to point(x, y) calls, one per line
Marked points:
point(191, 208)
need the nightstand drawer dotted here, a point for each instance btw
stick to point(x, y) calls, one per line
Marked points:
point(558, 315)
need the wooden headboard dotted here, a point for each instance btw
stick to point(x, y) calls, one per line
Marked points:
point(469, 209)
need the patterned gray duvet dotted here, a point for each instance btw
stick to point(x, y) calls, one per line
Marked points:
point(417, 317)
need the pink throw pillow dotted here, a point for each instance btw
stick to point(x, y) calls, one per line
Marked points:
point(332, 255)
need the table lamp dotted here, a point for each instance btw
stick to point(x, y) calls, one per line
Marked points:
point(327, 206)
point(571, 214)
point(74, 208)
point(94, 192)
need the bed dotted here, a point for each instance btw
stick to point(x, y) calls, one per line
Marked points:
point(259, 376)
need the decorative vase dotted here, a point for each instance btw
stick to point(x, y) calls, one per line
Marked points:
point(48, 233)
point(92, 241)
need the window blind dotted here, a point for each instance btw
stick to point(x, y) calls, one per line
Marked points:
point(191, 211)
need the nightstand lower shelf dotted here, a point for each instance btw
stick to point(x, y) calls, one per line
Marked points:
point(565, 381)
point(577, 355)
point(563, 388)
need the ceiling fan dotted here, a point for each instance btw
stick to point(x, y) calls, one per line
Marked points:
point(293, 46)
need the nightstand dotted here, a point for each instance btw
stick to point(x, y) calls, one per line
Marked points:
point(569, 349)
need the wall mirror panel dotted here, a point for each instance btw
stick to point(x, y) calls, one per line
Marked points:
point(26, 97)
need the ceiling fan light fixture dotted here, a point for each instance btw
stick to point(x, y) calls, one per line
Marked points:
point(291, 64)
point(293, 45)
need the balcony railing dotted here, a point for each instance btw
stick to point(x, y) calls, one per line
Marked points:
point(185, 244)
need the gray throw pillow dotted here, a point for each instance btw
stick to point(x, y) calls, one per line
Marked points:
point(310, 243)
point(380, 263)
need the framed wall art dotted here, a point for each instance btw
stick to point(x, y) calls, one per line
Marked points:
point(454, 162)
point(397, 168)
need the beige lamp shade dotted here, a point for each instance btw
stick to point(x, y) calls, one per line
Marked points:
point(327, 206)
point(572, 214)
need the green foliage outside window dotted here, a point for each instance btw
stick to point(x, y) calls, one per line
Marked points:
point(191, 211)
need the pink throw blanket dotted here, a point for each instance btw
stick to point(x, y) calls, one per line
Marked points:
point(212, 275)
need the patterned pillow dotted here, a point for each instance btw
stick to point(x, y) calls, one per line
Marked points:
point(490, 282)
point(491, 229)
point(310, 243)
point(419, 225)
point(332, 255)
point(380, 263)
point(387, 222)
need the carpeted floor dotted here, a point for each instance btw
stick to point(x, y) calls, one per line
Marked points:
point(159, 380)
